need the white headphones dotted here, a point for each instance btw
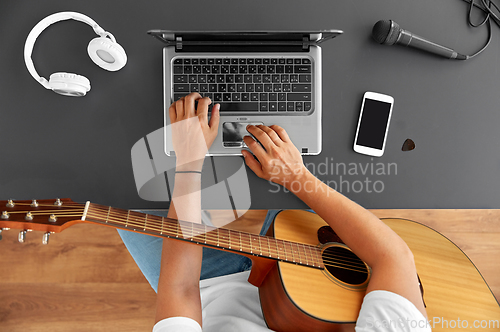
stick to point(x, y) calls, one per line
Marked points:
point(104, 51)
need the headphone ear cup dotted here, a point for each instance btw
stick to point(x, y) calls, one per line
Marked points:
point(107, 54)
point(68, 84)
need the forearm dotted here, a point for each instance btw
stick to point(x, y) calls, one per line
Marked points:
point(178, 285)
point(363, 232)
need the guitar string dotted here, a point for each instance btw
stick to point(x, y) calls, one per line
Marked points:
point(340, 258)
point(329, 260)
point(359, 263)
point(328, 263)
point(204, 230)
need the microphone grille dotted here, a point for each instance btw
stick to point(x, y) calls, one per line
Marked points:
point(383, 32)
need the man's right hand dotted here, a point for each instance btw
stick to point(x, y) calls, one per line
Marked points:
point(279, 160)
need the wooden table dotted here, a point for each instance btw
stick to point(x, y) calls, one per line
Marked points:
point(85, 280)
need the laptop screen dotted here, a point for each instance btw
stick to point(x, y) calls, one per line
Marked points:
point(243, 38)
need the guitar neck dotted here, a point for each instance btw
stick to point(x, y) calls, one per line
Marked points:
point(213, 237)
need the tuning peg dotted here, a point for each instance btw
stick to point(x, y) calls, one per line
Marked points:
point(45, 238)
point(34, 203)
point(22, 236)
point(58, 202)
point(5, 215)
point(10, 203)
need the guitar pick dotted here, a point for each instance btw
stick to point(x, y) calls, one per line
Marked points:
point(408, 145)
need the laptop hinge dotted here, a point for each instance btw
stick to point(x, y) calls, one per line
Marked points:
point(178, 43)
point(305, 43)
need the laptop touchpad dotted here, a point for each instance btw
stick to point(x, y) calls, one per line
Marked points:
point(233, 133)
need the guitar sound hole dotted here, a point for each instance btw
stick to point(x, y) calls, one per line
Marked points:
point(344, 265)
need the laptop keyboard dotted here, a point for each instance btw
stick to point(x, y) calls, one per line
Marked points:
point(247, 85)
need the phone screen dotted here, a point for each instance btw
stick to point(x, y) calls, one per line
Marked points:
point(373, 124)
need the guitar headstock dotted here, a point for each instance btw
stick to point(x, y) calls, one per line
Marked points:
point(49, 216)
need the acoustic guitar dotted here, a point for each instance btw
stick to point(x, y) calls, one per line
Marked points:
point(308, 279)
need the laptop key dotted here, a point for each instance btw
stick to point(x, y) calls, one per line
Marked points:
point(307, 106)
point(290, 106)
point(180, 78)
point(239, 107)
point(273, 106)
point(195, 88)
point(226, 97)
point(281, 106)
point(302, 69)
point(305, 78)
point(181, 88)
point(178, 70)
point(264, 107)
point(299, 97)
point(301, 87)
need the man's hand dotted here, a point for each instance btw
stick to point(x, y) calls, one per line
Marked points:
point(192, 133)
point(278, 159)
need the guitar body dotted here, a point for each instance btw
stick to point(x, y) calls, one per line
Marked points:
point(298, 298)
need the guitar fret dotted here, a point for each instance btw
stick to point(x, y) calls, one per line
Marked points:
point(296, 254)
point(229, 237)
point(145, 222)
point(161, 231)
point(107, 217)
point(260, 246)
point(269, 245)
point(241, 243)
point(305, 254)
point(128, 215)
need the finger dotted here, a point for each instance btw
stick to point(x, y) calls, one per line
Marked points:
point(179, 108)
point(202, 110)
point(252, 163)
point(172, 113)
point(255, 147)
point(281, 133)
point(189, 109)
point(272, 134)
point(261, 135)
point(215, 117)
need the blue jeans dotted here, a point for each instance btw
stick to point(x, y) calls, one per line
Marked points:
point(146, 251)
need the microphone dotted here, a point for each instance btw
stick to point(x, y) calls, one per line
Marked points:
point(388, 32)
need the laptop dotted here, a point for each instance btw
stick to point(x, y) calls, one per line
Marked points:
point(271, 77)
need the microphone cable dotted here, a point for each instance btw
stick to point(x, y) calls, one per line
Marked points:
point(487, 7)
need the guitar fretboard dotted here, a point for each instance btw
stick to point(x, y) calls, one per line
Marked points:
point(217, 238)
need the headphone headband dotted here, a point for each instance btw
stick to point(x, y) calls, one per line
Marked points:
point(42, 25)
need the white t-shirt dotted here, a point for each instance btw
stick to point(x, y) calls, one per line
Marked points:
point(230, 303)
